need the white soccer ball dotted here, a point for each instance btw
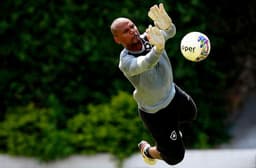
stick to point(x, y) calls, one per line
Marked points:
point(195, 46)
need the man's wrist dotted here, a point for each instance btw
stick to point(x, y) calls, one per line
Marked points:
point(158, 49)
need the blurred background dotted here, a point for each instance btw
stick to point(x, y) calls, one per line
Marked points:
point(61, 92)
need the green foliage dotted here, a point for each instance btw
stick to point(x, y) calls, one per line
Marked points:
point(30, 131)
point(110, 127)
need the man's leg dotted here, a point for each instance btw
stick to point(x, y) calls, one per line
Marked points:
point(149, 154)
point(163, 126)
point(187, 107)
point(172, 150)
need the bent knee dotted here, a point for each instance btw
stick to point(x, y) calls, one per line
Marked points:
point(173, 158)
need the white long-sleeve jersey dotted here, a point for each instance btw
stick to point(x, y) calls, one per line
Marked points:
point(150, 73)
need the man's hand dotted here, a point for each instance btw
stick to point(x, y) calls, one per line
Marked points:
point(160, 17)
point(155, 38)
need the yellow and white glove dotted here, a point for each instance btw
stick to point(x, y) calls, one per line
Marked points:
point(155, 38)
point(160, 17)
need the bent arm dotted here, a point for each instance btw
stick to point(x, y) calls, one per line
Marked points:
point(131, 65)
point(169, 33)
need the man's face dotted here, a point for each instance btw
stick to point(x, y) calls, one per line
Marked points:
point(127, 33)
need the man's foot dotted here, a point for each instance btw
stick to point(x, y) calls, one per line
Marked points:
point(144, 147)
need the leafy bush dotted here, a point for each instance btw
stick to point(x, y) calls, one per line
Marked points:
point(110, 127)
point(30, 131)
point(113, 127)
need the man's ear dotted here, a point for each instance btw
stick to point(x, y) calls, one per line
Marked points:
point(116, 40)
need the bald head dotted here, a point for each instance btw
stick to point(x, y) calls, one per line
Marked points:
point(117, 23)
point(125, 33)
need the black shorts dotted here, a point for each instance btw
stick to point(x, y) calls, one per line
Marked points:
point(164, 125)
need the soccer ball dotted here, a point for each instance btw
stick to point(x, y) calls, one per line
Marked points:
point(195, 46)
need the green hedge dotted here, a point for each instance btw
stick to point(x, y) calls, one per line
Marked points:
point(30, 131)
point(111, 127)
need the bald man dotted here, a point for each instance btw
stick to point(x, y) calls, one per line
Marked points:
point(162, 105)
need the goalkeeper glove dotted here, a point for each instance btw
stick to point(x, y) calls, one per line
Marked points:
point(155, 38)
point(160, 17)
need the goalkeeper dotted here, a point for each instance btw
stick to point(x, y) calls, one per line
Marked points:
point(162, 105)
